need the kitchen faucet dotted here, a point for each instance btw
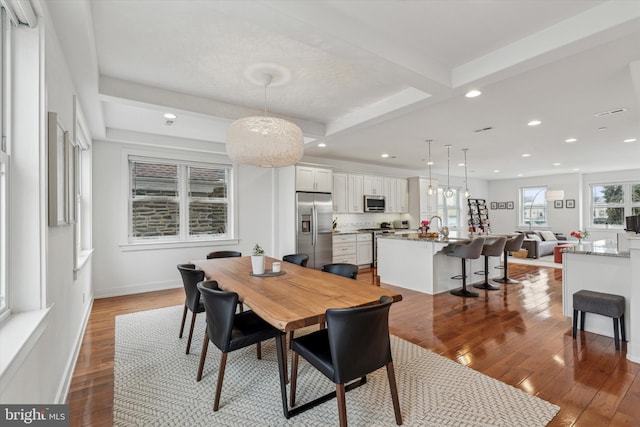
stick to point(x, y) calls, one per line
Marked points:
point(443, 229)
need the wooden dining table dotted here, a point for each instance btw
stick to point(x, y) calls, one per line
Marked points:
point(296, 298)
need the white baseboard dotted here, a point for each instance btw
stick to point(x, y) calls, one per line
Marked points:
point(136, 289)
point(65, 384)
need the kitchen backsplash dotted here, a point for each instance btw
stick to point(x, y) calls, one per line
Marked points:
point(350, 222)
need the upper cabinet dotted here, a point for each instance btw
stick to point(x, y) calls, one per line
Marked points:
point(340, 193)
point(355, 200)
point(313, 179)
point(373, 185)
point(396, 195)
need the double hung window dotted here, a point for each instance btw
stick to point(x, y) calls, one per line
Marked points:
point(611, 203)
point(449, 208)
point(533, 206)
point(178, 201)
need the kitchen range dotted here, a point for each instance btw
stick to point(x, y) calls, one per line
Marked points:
point(385, 228)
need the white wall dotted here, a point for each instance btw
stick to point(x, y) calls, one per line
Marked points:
point(560, 220)
point(120, 268)
point(41, 260)
point(565, 220)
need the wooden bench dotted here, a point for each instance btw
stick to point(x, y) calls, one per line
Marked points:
point(599, 303)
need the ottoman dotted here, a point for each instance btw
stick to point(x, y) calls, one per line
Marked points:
point(557, 255)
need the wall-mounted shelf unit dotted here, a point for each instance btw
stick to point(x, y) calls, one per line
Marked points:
point(478, 216)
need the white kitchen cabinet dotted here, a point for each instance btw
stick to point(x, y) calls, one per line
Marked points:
point(373, 185)
point(313, 179)
point(396, 195)
point(345, 248)
point(340, 193)
point(355, 193)
point(364, 252)
point(421, 204)
point(402, 187)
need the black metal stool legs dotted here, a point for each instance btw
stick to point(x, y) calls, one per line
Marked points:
point(505, 278)
point(464, 292)
point(486, 285)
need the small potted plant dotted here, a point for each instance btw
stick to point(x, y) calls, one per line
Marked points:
point(257, 260)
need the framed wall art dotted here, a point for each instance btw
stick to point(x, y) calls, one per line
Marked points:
point(494, 205)
point(57, 147)
point(502, 205)
point(557, 204)
point(509, 205)
point(570, 203)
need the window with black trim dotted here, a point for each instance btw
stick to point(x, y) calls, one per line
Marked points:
point(178, 201)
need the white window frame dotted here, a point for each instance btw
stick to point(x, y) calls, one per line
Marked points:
point(5, 306)
point(627, 203)
point(441, 201)
point(541, 196)
point(183, 240)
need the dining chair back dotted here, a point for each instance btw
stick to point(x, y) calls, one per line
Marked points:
point(342, 269)
point(337, 352)
point(190, 278)
point(299, 259)
point(223, 254)
point(228, 330)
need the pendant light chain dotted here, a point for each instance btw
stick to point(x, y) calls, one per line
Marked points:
point(448, 192)
point(467, 193)
point(429, 162)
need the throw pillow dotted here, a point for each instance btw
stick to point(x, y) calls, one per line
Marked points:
point(548, 236)
point(535, 237)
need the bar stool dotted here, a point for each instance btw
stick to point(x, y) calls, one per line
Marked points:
point(465, 251)
point(495, 248)
point(513, 244)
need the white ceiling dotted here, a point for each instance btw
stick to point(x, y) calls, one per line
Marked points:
point(371, 77)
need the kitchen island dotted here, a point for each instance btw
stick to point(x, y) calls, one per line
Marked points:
point(597, 266)
point(415, 262)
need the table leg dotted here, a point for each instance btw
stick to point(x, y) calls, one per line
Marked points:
point(283, 374)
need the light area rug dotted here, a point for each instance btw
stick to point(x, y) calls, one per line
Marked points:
point(545, 261)
point(155, 385)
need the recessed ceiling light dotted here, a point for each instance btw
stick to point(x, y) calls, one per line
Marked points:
point(602, 128)
point(496, 171)
point(322, 145)
point(460, 164)
point(534, 122)
point(526, 155)
point(473, 93)
point(630, 140)
point(556, 164)
point(576, 169)
point(520, 174)
point(430, 163)
point(384, 155)
point(570, 140)
point(169, 116)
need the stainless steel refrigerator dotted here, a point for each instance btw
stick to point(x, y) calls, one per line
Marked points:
point(314, 230)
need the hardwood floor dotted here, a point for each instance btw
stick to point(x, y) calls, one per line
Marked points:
point(517, 335)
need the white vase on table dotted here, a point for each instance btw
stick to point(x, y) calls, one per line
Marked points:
point(257, 264)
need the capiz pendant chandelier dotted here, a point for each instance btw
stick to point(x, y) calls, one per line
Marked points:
point(265, 141)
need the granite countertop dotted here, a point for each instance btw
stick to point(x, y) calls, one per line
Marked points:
point(599, 247)
point(417, 237)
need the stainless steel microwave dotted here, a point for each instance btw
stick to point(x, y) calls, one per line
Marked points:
point(374, 203)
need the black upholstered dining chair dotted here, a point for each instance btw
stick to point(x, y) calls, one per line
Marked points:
point(228, 330)
point(190, 278)
point(223, 254)
point(299, 259)
point(342, 269)
point(355, 343)
point(227, 254)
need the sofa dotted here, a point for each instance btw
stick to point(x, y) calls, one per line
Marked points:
point(541, 243)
